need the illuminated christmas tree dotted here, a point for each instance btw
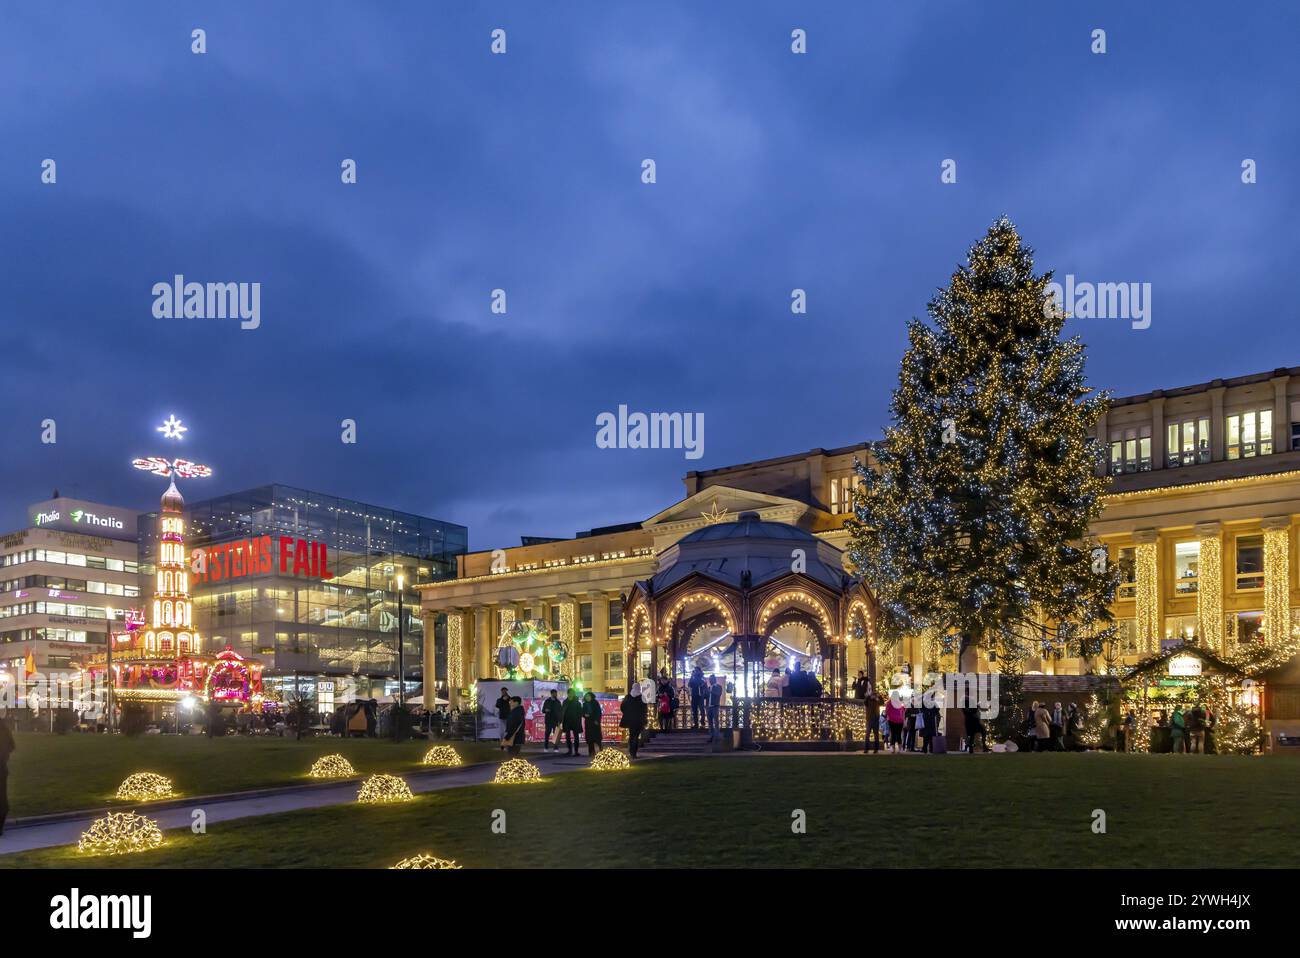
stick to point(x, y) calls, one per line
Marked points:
point(976, 521)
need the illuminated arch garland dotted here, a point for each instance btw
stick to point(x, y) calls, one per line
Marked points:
point(791, 598)
point(859, 606)
point(708, 597)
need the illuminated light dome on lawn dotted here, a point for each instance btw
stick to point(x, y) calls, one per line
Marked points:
point(425, 861)
point(443, 756)
point(610, 760)
point(120, 833)
point(383, 790)
point(145, 787)
point(332, 766)
point(517, 771)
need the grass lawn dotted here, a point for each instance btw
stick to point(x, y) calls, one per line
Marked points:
point(959, 811)
point(53, 773)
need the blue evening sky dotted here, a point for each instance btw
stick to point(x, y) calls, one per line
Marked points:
point(522, 172)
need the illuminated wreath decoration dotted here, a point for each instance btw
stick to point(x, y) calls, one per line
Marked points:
point(425, 861)
point(145, 787)
point(532, 653)
point(442, 756)
point(120, 833)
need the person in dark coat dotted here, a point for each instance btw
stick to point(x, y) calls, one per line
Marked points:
point(872, 710)
point(634, 716)
point(6, 749)
point(513, 738)
point(553, 714)
point(572, 722)
point(699, 697)
point(591, 713)
point(503, 711)
point(974, 726)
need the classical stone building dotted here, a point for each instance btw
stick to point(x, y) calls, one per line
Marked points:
point(1200, 516)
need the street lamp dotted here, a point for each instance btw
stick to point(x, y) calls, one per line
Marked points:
point(108, 668)
point(401, 661)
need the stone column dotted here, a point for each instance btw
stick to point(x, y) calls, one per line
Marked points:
point(1158, 433)
point(1217, 437)
point(599, 638)
point(1281, 413)
point(1277, 578)
point(456, 656)
point(430, 660)
point(1209, 588)
point(1148, 589)
point(483, 645)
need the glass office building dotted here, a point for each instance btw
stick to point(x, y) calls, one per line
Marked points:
point(307, 584)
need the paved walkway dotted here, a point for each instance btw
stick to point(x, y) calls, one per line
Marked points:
point(21, 838)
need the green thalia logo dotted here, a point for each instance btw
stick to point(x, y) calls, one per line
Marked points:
point(108, 522)
point(76, 515)
point(132, 912)
point(42, 518)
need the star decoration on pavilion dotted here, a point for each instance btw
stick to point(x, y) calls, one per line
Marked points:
point(172, 428)
point(715, 514)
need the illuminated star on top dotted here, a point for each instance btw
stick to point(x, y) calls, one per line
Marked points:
point(172, 428)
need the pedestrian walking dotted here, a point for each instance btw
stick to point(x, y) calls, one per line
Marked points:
point(514, 735)
point(715, 692)
point(872, 732)
point(1042, 728)
point(896, 715)
point(1177, 730)
point(634, 710)
point(553, 715)
point(6, 749)
point(591, 715)
point(571, 722)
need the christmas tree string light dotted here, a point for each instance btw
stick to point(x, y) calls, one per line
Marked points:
point(120, 833)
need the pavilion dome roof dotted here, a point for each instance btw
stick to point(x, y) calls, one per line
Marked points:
point(725, 551)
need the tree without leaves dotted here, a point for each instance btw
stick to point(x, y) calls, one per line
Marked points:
point(980, 529)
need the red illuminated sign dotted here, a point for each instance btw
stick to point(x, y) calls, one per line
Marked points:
point(305, 558)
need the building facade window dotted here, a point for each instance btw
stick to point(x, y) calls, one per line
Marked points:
point(1130, 450)
point(1245, 627)
point(1250, 562)
point(1187, 443)
point(1249, 434)
point(613, 666)
point(842, 493)
point(616, 621)
point(584, 669)
point(1126, 560)
point(584, 616)
point(1187, 567)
